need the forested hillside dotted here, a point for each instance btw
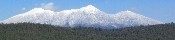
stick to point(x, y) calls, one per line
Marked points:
point(32, 31)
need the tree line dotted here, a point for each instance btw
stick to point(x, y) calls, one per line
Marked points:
point(36, 31)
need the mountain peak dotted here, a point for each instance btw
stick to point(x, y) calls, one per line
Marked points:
point(131, 18)
point(90, 6)
point(36, 9)
point(90, 9)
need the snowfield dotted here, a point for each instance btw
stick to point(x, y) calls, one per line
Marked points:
point(88, 16)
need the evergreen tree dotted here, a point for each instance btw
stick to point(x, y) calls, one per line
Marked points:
point(36, 31)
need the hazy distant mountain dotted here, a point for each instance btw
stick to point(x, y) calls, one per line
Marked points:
point(88, 16)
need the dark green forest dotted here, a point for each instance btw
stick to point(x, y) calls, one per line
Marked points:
point(35, 31)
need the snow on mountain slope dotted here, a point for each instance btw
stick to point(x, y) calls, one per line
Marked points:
point(85, 16)
point(36, 15)
point(130, 18)
point(88, 16)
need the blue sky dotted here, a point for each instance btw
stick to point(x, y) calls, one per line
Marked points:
point(162, 10)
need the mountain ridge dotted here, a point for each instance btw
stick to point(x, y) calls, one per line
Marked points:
point(85, 16)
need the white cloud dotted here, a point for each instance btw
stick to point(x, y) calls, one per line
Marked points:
point(23, 8)
point(49, 6)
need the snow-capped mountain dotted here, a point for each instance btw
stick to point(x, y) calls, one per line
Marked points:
point(36, 15)
point(130, 18)
point(88, 16)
